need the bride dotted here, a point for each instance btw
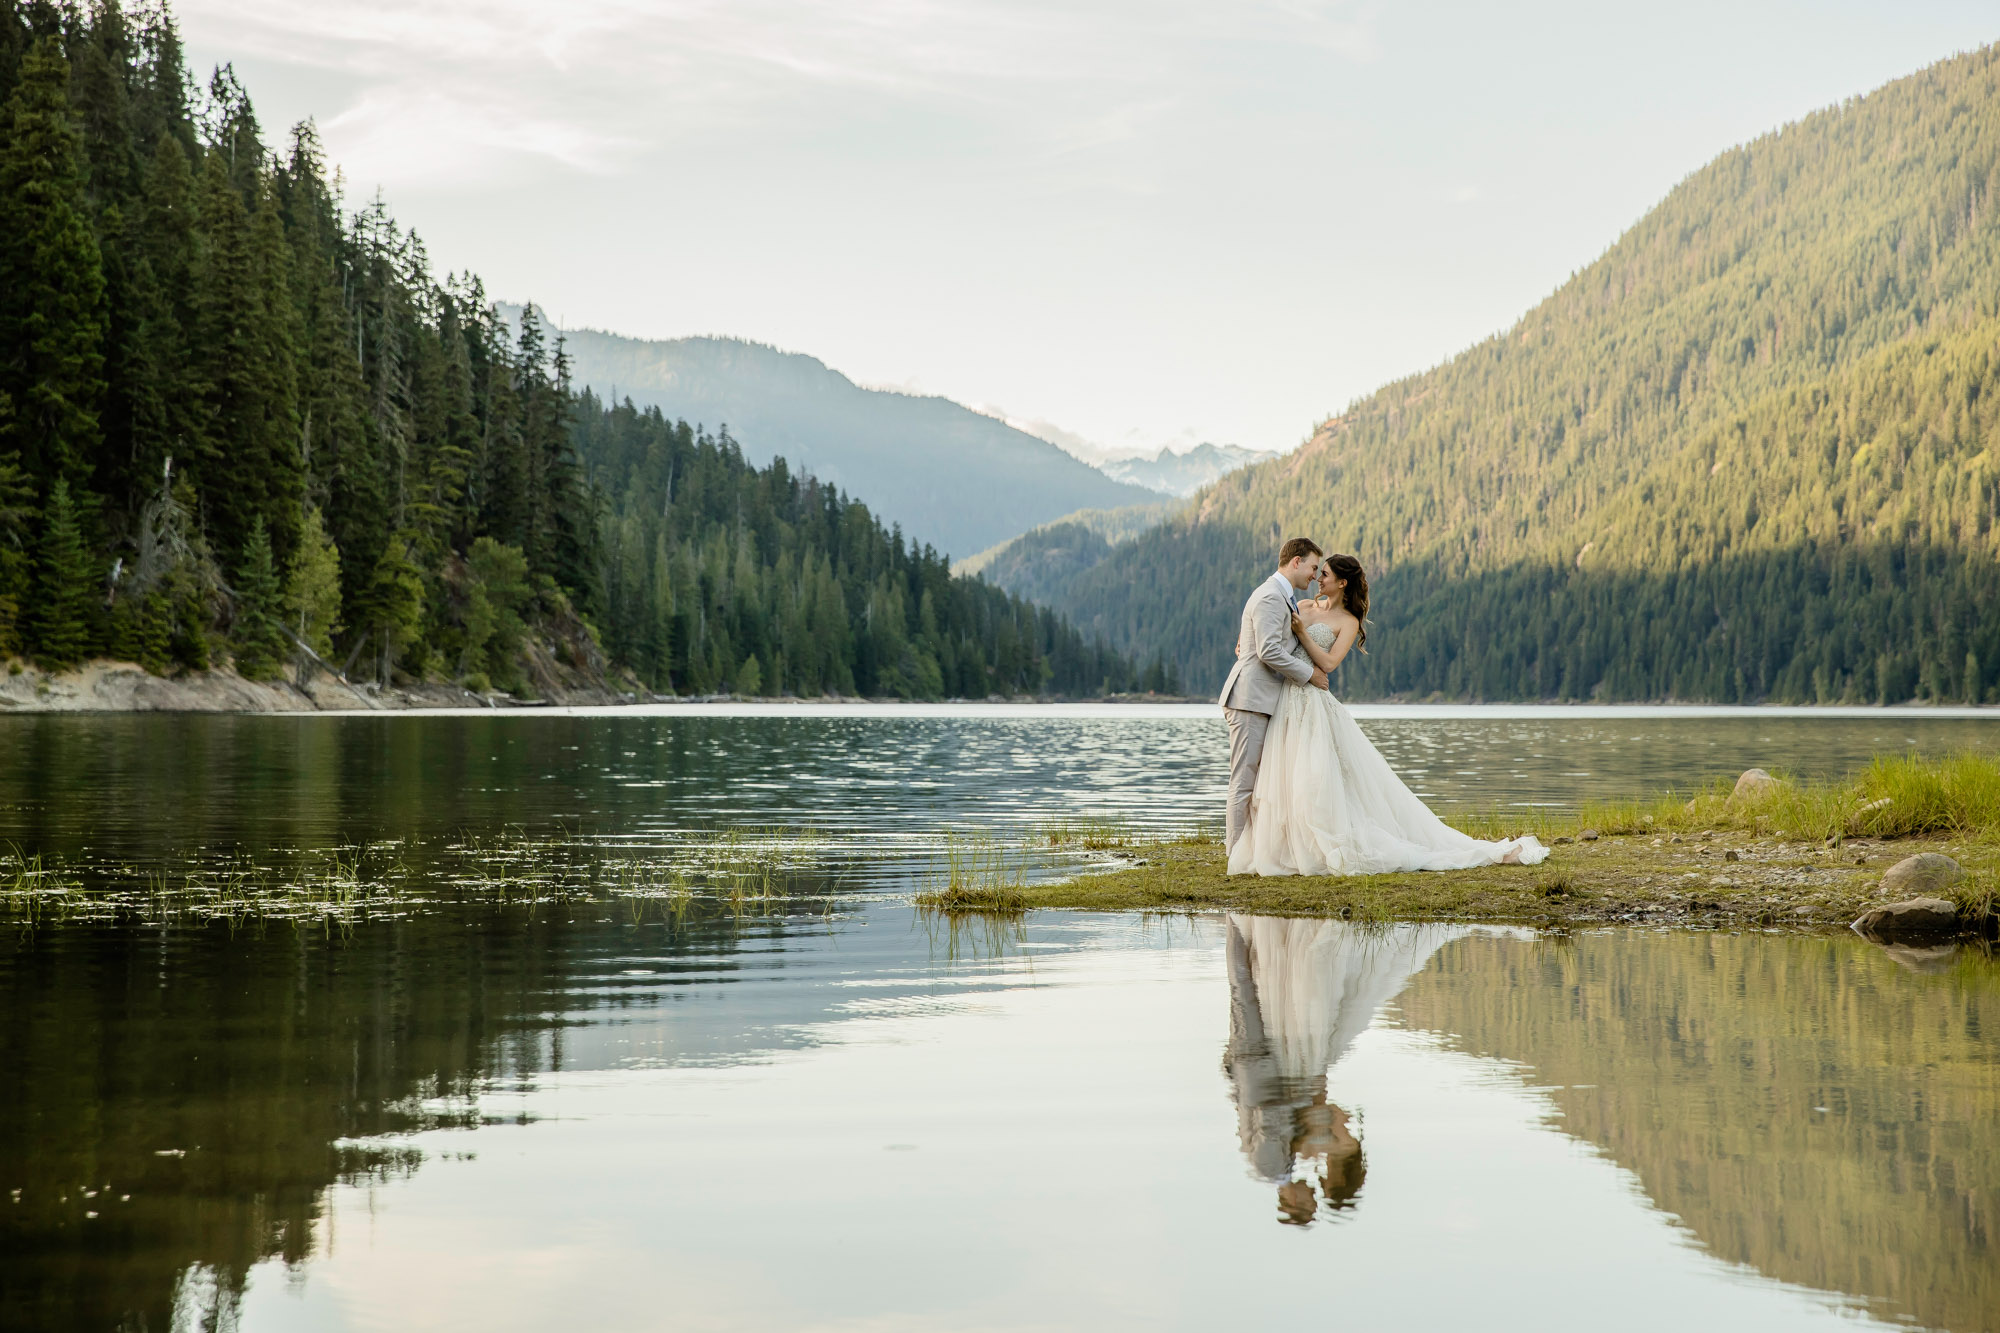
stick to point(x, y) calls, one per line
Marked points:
point(1326, 802)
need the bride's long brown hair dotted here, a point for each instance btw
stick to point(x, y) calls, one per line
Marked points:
point(1355, 595)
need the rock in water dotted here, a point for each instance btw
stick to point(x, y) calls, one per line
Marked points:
point(1925, 958)
point(1912, 919)
point(1921, 876)
point(1753, 781)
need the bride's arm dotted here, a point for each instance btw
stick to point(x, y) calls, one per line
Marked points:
point(1343, 640)
point(1325, 659)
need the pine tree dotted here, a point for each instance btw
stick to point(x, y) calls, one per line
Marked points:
point(260, 644)
point(395, 606)
point(52, 322)
point(17, 508)
point(142, 631)
point(157, 404)
point(248, 467)
point(498, 593)
point(61, 628)
point(312, 586)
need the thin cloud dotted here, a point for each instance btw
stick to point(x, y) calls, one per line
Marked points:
point(455, 89)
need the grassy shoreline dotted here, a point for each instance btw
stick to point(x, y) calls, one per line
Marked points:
point(1785, 853)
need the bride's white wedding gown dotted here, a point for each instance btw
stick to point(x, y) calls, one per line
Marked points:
point(1327, 802)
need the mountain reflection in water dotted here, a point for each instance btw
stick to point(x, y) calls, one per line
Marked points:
point(202, 1129)
point(1814, 1107)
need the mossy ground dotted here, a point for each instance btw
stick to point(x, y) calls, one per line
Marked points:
point(1798, 854)
point(1615, 878)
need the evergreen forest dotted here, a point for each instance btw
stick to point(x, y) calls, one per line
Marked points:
point(722, 577)
point(244, 425)
point(1750, 454)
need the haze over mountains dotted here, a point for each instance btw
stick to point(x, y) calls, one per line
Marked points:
point(1747, 454)
point(955, 478)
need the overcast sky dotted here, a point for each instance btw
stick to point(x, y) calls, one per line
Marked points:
point(1146, 221)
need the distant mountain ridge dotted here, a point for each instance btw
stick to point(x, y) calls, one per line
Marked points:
point(1746, 455)
point(954, 478)
point(1184, 474)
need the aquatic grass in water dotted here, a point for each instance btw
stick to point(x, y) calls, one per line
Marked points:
point(1090, 833)
point(976, 873)
point(740, 871)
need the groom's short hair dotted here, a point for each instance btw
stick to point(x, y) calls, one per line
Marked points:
point(1295, 548)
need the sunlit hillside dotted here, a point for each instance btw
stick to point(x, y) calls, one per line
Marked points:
point(1747, 454)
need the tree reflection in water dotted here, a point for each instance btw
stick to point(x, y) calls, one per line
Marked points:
point(1815, 1107)
point(176, 1103)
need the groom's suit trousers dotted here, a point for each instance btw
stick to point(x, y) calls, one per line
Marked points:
point(1246, 753)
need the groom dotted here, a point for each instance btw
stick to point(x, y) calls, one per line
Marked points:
point(1265, 651)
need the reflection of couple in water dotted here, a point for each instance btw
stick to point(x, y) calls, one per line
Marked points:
point(1300, 992)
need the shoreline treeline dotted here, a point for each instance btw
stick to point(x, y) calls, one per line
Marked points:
point(238, 423)
point(720, 576)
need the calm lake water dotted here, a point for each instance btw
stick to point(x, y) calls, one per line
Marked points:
point(593, 1113)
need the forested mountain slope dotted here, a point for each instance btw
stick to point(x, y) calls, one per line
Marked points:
point(241, 426)
point(952, 477)
point(228, 410)
point(724, 577)
point(1750, 453)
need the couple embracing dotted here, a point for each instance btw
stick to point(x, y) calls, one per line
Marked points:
point(1308, 793)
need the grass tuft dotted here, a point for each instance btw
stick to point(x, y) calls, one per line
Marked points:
point(1896, 796)
point(976, 873)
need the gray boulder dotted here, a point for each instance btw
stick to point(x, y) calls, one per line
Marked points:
point(1922, 876)
point(1753, 782)
point(1913, 919)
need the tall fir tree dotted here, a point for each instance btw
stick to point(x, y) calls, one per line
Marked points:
point(312, 586)
point(17, 511)
point(52, 320)
point(260, 643)
point(394, 611)
point(248, 467)
point(62, 628)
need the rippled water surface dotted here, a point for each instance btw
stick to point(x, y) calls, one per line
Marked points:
point(138, 784)
point(597, 1113)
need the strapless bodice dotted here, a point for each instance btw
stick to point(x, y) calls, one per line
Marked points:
point(1321, 633)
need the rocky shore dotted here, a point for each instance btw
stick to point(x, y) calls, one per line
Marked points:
point(125, 687)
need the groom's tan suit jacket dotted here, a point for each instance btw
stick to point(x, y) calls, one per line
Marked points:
point(1267, 652)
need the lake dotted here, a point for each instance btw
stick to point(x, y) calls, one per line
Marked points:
point(828, 1110)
